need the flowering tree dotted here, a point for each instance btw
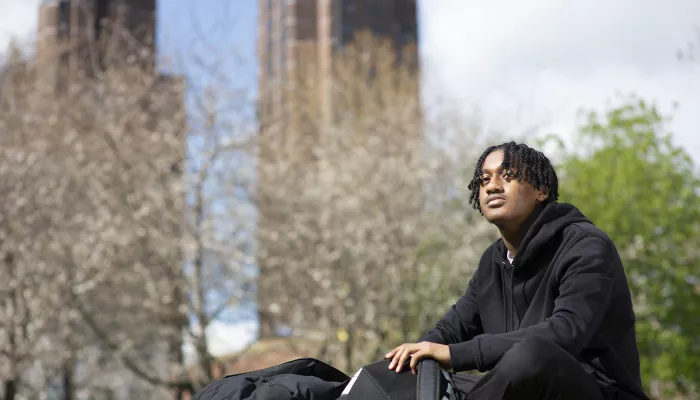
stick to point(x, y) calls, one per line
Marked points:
point(361, 245)
point(106, 261)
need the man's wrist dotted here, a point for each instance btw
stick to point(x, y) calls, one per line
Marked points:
point(463, 356)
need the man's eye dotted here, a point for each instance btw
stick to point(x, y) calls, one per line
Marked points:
point(485, 179)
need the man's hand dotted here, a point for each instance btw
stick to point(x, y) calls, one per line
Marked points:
point(417, 352)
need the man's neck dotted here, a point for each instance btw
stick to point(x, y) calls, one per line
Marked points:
point(513, 235)
point(512, 240)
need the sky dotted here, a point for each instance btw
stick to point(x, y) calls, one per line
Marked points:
point(538, 61)
point(529, 63)
point(532, 64)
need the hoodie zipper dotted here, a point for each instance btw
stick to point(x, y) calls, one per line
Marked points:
point(513, 307)
point(505, 305)
point(508, 316)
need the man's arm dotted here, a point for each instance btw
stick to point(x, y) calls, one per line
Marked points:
point(461, 323)
point(584, 295)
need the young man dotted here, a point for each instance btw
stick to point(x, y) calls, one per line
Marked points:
point(548, 312)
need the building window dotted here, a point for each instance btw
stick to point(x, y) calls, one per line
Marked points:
point(64, 60)
point(63, 28)
point(348, 29)
point(268, 47)
point(348, 32)
point(101, 14)
point(408, 33)
point(379, 14)
point(283, 40)
point(63, 70)
point(336, 23)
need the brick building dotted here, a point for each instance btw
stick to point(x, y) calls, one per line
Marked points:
point(298, 38)
point(86, 35)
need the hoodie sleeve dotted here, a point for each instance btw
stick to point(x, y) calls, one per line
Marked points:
point(584, 294)
point(461, 323)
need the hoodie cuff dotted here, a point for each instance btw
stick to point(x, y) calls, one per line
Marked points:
point(464, 356)
point(433, 337)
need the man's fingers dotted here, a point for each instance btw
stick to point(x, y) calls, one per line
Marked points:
point(416, 357)
point(396, 362)
point(393, 352)
point(400, 355)
point(395, 356)
point(407, 351)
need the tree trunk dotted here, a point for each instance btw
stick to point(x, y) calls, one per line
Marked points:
point(349, 350)
point(68, 388)
point(10, 389)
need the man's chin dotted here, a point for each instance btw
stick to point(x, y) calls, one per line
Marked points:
point(495, 215)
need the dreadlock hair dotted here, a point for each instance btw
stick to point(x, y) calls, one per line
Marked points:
point(528, 164)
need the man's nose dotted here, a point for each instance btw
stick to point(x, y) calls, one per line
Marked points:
point(494, 185)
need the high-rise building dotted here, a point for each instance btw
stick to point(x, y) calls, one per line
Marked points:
point(298, 38)
point(298, 43)
point(85, 35)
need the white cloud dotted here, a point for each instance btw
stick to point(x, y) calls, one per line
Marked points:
point(18, 19)
point(543, 59)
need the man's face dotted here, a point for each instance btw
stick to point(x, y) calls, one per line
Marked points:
point(503, 200)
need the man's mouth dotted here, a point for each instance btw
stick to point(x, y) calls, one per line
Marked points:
point(495, 200)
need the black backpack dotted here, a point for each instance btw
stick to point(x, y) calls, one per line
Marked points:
point(311, 379)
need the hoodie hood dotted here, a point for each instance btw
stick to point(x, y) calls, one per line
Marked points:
point(554, 218)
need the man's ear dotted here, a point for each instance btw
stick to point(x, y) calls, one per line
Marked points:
point(542, 195)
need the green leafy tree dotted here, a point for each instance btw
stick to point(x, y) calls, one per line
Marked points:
point(631, 180)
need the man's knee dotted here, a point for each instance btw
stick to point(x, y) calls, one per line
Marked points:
point(532, 358)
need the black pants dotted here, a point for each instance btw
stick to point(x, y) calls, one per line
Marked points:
point(533, 369)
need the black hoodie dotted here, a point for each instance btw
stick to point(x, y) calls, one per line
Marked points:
point(566, 284)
